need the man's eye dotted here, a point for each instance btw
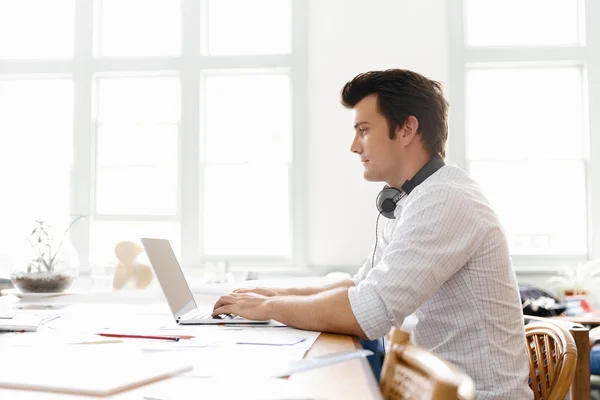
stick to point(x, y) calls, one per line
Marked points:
point(362, 131)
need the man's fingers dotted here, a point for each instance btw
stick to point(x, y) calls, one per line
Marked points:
point(224, 300)
point(227, 309)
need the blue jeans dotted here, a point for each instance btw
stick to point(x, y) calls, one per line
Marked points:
point(595, 360)
point(376, 360)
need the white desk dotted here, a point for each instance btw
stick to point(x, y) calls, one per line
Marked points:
point(348, 380)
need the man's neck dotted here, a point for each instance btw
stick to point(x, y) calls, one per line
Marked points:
point(410, 169)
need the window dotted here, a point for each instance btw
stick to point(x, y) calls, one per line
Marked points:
point(162, 118)
point(520, 122)
point(36, 125)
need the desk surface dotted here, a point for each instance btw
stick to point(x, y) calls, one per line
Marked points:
point(592, 318)
point(349, 380)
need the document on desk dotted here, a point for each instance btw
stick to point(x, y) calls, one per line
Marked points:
point(181, 388)
point(242, 361)
point(261, 362)
point(87, 370)
point(44, 338)
point(21, 322)
point(227, 335)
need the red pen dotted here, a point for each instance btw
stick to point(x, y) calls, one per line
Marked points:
point(118, 335)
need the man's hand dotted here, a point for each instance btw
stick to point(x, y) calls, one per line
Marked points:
point(269, 292)
point(329, 311)
point(246, 305)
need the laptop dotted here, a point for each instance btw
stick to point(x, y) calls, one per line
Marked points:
point(177, 291)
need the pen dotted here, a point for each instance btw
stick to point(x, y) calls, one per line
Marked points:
point(118, 335)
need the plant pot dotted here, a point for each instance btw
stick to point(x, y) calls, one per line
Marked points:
point(42, 282)
point(29, 275)
point(575, 292)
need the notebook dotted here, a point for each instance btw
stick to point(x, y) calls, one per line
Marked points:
point(93, 371)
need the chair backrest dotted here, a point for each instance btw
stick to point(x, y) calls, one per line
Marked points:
point(411, 372)
point(552, 358)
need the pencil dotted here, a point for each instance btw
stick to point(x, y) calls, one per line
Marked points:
point(118, 335)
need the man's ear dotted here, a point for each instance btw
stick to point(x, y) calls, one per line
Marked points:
point(411, 126)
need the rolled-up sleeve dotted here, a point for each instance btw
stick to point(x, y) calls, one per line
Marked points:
point(369, 310)
point(436, 235)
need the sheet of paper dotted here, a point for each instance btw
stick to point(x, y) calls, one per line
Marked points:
point(270, 340)
point(44, 338)
point(243, 361)
point(104, 322)
point(306, 364)
point(216, 335)
point(23, 322)
point(181, 388)
point(89, 370)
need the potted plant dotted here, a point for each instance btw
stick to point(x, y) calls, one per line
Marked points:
point(578, 282)
point(52, 263)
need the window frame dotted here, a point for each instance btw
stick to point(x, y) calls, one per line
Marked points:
point(189, 67)
point(586, 55)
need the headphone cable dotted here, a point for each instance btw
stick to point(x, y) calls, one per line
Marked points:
point(373, 265)
point(376, 235)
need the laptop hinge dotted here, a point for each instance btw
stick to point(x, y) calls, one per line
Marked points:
point(186, 310)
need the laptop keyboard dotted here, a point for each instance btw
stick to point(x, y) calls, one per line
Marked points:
point(200, 314)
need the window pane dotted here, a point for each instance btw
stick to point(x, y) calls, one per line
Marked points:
point(142, 99)
point(525, 113)
point(33, 29)
point(541, 205)
point(246, 210)
point(138, 145)
point(249, 27)
point(36, 129)
point(137, 190)
point(248, 118)
point(105, 235)
point(522, 22)
point(138, 28)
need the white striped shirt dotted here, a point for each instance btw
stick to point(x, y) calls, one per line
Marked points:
point(445, 258)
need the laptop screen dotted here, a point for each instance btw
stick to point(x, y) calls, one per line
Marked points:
point(170, 276)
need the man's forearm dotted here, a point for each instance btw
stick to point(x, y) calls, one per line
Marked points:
point(309, 291)
point(328, 311)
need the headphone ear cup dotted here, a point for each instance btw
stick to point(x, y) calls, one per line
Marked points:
point(386, 204)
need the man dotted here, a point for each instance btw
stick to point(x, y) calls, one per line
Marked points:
point(442, 257)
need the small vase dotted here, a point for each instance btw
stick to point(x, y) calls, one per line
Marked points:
point(29, 275)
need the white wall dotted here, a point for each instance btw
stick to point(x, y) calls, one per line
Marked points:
point(347, 37)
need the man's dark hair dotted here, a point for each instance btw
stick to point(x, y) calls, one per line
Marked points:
point(400, 94)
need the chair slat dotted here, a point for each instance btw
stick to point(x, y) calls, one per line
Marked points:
point(552, 359)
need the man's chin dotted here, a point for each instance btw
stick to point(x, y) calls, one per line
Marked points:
point(370, 177)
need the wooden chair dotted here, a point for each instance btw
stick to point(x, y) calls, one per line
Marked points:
point(552, 359)
point(581, 388)
point(411, 372)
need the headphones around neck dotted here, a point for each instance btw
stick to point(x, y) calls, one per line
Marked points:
point(389, 196)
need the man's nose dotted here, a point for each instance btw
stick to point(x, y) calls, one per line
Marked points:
point(356, 147)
